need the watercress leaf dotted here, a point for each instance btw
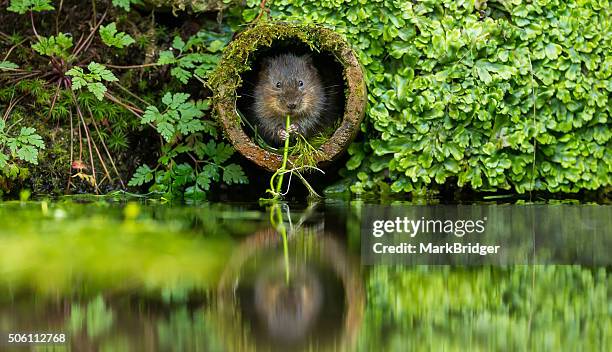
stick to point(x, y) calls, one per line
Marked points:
point(3, 160)
point(212, 171)
point(181, 74)
point(215, 46)
point(28, 153)
point(166, 129)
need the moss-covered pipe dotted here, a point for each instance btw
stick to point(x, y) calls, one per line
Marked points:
point(238, 58)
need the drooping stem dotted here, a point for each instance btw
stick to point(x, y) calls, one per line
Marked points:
point(54, 100)
point(33, 26)
point(131, 94)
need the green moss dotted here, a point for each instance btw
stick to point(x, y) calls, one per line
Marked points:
point(238, 56)
point(190, 5)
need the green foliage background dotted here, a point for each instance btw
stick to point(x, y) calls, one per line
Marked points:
point(493, 95)
point(483, 95)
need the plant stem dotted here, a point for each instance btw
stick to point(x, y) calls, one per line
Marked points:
point(93, 120)
point(93, 167)
point(132, 109)
point(285, 155)
point(85, 45)
point(133, 66)
point(71, 153)
point(33, 27)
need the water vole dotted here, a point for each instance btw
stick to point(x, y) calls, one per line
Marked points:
point(289, 85)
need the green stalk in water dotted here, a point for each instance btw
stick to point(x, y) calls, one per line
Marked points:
point(276, 219)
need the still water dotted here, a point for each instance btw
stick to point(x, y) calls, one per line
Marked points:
point(146, 276)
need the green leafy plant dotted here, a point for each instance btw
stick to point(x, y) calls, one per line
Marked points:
point(125, 4)
point(24, 146)
point(111, 37)
point(196, 57)
point(7, 65)
point(180, 116)
point(173, 177)
point(182, 126)
point(23, 6)
point(92, 80)
point(54, 46)
point(486, 96)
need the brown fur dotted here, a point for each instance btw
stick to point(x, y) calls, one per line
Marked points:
point(305, 103)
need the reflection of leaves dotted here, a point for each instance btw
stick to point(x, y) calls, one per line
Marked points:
point(458, 300)
point(97, 318)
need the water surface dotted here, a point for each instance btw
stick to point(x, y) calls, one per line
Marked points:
point(119, 276)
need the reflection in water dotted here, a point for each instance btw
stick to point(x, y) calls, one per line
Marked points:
point(288, 309)
point(295, 291)
point(214, 278)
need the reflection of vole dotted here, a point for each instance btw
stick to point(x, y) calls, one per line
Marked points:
point(289, 85)
point(288, 309)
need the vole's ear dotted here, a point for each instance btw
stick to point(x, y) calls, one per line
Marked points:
point(308, 59)
point(265, 63)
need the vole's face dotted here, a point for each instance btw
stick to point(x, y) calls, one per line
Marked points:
point(290, 81)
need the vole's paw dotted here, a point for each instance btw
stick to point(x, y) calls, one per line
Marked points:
point(282, 134)
point(294, 128)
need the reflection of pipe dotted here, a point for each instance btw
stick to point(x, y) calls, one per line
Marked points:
point(327, 249)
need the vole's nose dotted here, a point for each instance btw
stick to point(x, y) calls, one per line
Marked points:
point(291, 106)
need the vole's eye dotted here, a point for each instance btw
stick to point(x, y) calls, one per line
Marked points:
point(278, 84)
point(300, 84)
